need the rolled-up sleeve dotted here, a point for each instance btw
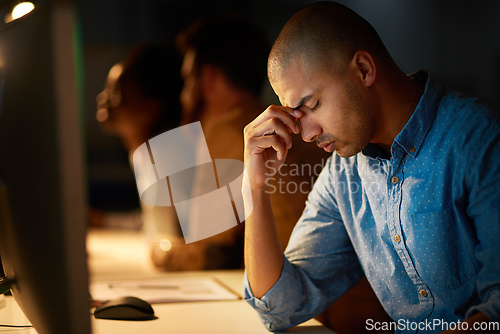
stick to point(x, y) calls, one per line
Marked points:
point(281, 300)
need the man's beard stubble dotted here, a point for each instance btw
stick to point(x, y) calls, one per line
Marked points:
point(362, 126)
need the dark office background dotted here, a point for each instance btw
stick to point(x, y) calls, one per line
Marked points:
point(458, 41)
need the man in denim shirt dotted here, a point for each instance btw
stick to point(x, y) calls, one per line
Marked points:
point(409, 198)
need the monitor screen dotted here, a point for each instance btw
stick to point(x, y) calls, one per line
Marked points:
point(42, 194)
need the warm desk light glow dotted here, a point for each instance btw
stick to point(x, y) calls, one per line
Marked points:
point(19, 10)
point(22, 9)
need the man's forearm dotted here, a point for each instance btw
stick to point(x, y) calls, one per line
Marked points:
point(267, 141)
point(263, 253)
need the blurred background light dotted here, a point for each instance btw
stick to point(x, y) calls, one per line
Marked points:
point(19, 10)
point(165, 245)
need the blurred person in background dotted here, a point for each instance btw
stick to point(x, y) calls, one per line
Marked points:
point(140, 100)
point(223, 68)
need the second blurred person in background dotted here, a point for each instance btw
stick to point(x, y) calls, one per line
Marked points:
point(224, 68)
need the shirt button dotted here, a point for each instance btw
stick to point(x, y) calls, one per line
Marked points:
point(423, 293)
point(412, 149)
point(397, 238)
point(395, 179)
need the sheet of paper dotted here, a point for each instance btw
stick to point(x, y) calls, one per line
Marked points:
point(164, 290)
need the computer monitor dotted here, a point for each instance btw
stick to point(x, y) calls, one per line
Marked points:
point(42, 193)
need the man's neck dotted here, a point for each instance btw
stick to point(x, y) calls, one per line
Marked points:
point(398, 102)
point(135, 138)
point(221, 105)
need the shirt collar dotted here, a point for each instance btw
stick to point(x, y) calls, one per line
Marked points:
point(411, 138)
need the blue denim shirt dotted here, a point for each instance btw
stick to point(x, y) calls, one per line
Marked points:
point(423, 225)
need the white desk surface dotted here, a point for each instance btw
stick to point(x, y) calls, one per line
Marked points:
point(123, 255)
point(11, 314)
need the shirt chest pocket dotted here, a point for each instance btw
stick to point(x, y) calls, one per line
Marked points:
point(442, 249)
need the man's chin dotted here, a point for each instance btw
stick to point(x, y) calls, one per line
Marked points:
point(346, 152)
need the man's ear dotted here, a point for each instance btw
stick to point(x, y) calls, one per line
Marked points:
point(364, 67)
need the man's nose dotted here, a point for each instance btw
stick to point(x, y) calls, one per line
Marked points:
point(309, 130)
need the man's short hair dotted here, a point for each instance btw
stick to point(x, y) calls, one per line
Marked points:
point(231, 43)
point(324, 34)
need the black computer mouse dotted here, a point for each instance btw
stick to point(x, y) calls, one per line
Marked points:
point(125, 308)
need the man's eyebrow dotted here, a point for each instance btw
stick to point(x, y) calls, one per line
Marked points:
point(302, 101)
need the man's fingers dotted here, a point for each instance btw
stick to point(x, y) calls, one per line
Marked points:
point(274, 126)
point(287, 116)
point(259, 144)
point(270, 127)
point(267, 139)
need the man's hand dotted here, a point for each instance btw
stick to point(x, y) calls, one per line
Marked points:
point(267, 141)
